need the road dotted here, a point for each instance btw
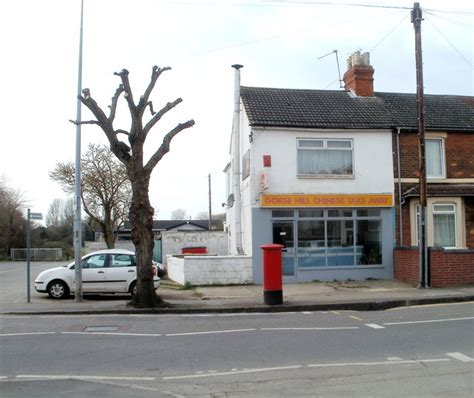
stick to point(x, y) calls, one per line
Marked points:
point(414, 351)
point(13, 286)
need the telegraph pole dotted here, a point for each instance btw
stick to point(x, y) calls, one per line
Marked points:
point(416, 18)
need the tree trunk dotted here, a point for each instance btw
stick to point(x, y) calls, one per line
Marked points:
point(141, 219)
point(108, 229)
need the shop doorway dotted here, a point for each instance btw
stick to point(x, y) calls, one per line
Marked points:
point(283, 234)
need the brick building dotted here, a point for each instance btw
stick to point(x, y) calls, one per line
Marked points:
point(449, 143)
point(316, 171)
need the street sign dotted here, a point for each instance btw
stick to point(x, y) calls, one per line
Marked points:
point(36, 216)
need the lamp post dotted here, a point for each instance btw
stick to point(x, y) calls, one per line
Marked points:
point(77, 178)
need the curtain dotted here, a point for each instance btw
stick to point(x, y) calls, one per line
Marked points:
point(325, 162)
point(444, 230)
point(434, 165)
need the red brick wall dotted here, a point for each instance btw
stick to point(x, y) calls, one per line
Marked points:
point(459, 148)
point(447, 267)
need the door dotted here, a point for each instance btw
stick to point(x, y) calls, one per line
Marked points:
point(121, 270)
point(283, 235)
point(93, 273)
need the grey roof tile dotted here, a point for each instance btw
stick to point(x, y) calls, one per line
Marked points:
point(339, 109)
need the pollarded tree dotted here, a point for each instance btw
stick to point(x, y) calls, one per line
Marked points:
point(105, 188)
point(139, 170)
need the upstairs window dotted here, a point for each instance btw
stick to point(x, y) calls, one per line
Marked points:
point(434, 158)
point(325, 157)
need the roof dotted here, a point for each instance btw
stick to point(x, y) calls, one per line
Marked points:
point(275, 107)
point(447, 190)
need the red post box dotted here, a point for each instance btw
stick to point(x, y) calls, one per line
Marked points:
point(272, 274)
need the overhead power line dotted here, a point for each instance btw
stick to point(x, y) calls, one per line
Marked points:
point(275, 3)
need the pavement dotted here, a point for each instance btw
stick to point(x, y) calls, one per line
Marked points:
point(315, 296)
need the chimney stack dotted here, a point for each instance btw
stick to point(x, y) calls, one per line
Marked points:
point(359, 77)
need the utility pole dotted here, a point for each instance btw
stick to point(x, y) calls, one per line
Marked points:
point(77, 176)
point(210, 203)
point(416, 18)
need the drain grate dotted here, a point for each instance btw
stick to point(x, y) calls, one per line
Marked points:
point(101, 329)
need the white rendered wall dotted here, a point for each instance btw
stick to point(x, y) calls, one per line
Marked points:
point(372, 162)
point(210, 270)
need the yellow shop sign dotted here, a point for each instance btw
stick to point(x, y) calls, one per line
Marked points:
point(375, 200)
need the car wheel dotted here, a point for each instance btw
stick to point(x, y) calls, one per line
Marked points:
point(58, 290)
point(133, 289)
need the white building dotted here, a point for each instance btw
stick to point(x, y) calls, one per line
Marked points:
point(313, 171)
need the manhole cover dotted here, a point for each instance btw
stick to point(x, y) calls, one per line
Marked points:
point(101, 329)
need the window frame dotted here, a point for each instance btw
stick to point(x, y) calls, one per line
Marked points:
point(459, 220)
point(325, 148)
point(442, 158)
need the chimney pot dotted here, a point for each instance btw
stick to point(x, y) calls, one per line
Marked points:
point(359, 75)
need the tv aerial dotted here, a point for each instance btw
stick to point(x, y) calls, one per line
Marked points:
point(341, 85)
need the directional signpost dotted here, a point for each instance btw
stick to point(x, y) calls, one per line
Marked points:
point(30, 216)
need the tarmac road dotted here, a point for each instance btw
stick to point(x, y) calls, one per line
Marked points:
point(413, 351)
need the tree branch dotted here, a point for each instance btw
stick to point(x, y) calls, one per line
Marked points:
point(120, 149)
point(155, 74)
point(159, 115)
point(113, 106)
point(165, 146)
point(84, 122)
point(128, 90)
point(120, 131)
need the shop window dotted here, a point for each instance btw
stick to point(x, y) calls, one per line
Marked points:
point(283, 213)
point(369, 242)
point(434, 149)
point(349, 240)
point(325, 157)
point(311, 244)
point(340, 249)
point(311, 213)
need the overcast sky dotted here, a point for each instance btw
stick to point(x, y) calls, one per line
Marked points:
point(278, 42)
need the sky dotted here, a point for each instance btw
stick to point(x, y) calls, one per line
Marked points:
point(280, 44)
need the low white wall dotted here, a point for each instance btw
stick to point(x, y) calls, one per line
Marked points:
point(210, 270)
point(216, 242)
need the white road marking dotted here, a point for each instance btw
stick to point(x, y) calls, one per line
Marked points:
point(429, 321)
point(237, 372)
point(417, 361)
point(84, 377)
point(374, 326)
point(25, 334)
point(394, 359)
point(210, 332)
point(115, 334)
point(328, 328)
point(3, 377)
point(460, 357)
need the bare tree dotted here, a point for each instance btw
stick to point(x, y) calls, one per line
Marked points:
point(105, 189)
point(12, 221)
point(138, 169)
point(179, 214)
point(55, 212)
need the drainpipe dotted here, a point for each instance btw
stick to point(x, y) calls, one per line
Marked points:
point(400, 221)
point(236, 163)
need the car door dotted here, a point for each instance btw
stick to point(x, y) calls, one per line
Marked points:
point(122, 269)
point(93, 273)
